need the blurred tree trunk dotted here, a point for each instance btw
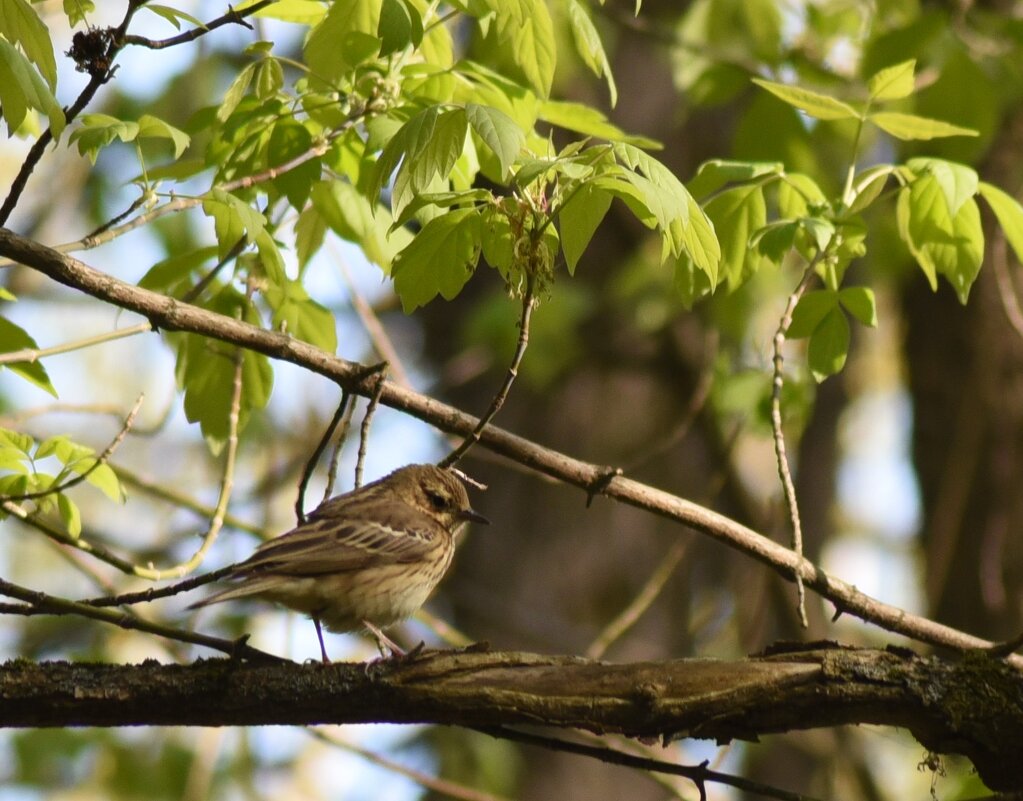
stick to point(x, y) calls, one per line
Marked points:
point(965, 368)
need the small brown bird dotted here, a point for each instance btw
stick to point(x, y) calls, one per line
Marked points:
point(365, 559)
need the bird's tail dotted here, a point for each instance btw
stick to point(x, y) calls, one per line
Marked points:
point(245, 589)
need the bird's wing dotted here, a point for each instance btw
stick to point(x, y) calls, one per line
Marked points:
point(326, 544)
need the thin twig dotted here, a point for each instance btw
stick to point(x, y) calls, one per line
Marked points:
point(232, 17)
point(367, 418)
point(784, 473)
point(627, 618)
point(698, 774)
point(335, 453)
point(206, 280)
point(321, 446)
point(438, 785)
point(226, 485)
point(39, 603)
point(154, 593)
point(35, 354)
point(502, 393)
point(101, 459)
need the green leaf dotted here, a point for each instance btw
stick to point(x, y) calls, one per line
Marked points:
point(288, 141)
point(498, 132)
point(310, 230)
point(440, 259)
point(701, 242)
point(662, 193)
point(590, 47)
point(499, 243)
point(20, 25)
point(343, 39)
point(892, 83)
point(1008, 212)
point(21, 88)
point(77, 10)
point(579, 219)
point(150, 127)
point(205, 371)
point(400, 25)
point(736, 214)
point(172, 15)
point(70, 516)
point(589, 121)
point(952, 246)
point(868, 186)
point(295, 313)
point(811, 310)
point(233, 219)
point(351, 217)
point(829, 345)
point(235, 92)
point(957, 181)
point(775, 239)
point(14, 338)
point(269, 78)
point(820, 230)
point(910, 126)
point(714, 174)
point(800, 196)
point(99, 130)
point(105, 480)
point(859, 302)
point(525, 35)
point(823, 107)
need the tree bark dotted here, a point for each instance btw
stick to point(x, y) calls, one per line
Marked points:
point(972, 706)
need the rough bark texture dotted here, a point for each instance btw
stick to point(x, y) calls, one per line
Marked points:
point(973, 706)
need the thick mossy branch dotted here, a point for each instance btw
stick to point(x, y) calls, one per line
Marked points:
point(971, 706)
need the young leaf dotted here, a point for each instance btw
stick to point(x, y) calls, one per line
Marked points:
point(21, 88)
point(1008, 212)
point(343, 39)
point(714, 174)
point(440, 259)
point(151, 127)
point(302, 317)
point(811, 310)
point(910, 126)
point(21, 25)
point(736, 214)
point(892, 83)
point(859, 302)
point(590, 47)
point(590, 122)
point(579, 219)
point(701, 242)
point(13, 338)
point(957, 181)
point(829, 345)
point(823, 107)
point(526, 34)
point(498, 132)
point(70, 516)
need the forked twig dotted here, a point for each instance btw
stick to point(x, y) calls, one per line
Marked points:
point(321, 446)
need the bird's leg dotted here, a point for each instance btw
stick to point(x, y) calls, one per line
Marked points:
point(319, 636)
point(385, 644)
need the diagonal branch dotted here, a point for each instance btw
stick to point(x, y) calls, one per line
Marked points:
point(170, 314)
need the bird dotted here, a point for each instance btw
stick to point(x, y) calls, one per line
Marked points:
point(362, 560)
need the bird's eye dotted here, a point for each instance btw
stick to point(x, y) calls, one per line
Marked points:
point(437, 501)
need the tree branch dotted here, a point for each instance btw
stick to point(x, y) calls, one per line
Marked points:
point(170, 314)
point(700, 698)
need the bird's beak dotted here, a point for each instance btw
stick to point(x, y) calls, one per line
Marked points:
point(474, 516)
